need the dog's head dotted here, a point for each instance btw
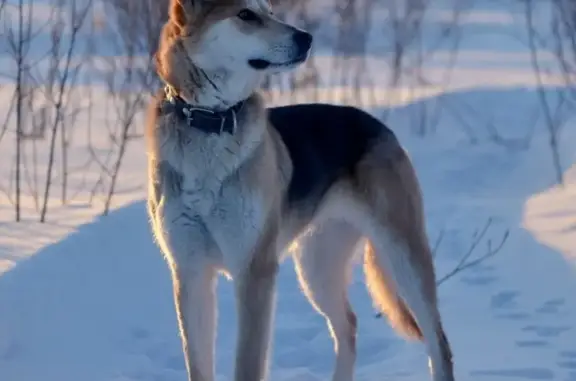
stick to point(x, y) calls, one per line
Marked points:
point(239, 36)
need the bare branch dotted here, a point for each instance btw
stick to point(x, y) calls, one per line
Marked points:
point(77, 18)
point(553, 128)
point(465, 261)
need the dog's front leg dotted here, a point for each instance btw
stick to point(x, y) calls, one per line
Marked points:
point(189, 247)
point(255, 294)
point(195, 299)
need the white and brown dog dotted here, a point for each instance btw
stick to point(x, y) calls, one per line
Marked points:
point(232, 184)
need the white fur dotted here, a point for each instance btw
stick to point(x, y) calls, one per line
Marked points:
point(206, 161)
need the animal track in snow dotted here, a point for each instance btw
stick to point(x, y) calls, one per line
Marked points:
point(551, 306)
point(504, 300)
point(546, 331)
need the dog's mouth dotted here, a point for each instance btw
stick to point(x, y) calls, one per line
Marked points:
point(260, 64)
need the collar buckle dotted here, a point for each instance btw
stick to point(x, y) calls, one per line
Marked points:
point(215, 122)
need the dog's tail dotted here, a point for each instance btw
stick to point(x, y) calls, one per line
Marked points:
point(386, 299)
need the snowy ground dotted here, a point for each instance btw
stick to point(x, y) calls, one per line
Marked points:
point(89, 299)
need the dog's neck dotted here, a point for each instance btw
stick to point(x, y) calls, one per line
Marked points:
point(218, 89)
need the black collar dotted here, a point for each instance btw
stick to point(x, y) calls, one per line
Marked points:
point(204, 119)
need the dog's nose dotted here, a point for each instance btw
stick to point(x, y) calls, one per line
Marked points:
point(303, 40)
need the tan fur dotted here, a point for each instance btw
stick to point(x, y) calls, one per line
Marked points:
point(386, 298)
point(389, 184)
point(388, 181)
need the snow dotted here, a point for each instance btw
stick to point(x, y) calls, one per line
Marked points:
point(89, 298)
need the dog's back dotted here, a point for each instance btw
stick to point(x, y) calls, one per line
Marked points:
point(325, 143)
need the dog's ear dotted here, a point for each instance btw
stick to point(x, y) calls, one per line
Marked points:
point(182, 12)
point(164, 56)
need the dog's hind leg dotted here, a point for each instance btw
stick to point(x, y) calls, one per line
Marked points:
point(393, 219)
point(322, 265)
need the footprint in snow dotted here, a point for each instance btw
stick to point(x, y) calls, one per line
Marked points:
point(480, 280)
point(504, 300)
point(568, 361)
point(546, 331)
point(531, 343)
point(551, 306)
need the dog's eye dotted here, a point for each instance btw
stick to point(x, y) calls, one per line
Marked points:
point(248, 15)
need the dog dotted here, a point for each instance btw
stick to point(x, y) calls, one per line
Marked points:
point(233, 184)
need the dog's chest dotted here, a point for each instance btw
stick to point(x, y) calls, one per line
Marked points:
point(205, 155)
point(237, 220)
point(246, 201)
